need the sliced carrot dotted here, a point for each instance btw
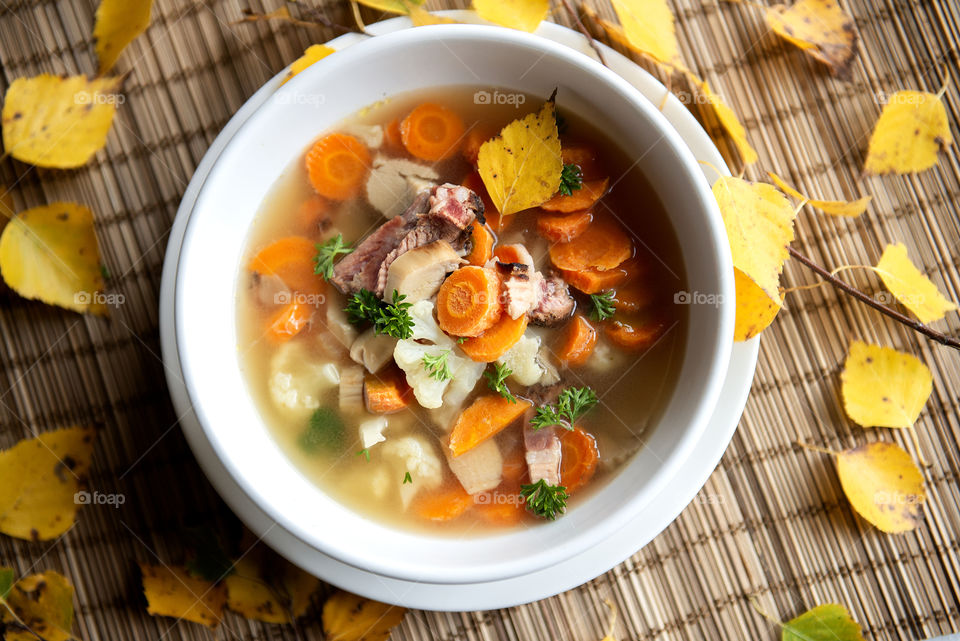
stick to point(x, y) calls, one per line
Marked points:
point(392, 137)
point(432, 132)
point(288, 321)
point(481, 248)
point(578, 342)
point(604, 245)
point(474, 183)
point(483, 419)
point(562, 228)
point(585, 158)
point(635, 295)
point(468, 302)
point(635, 335)
point(478, 134)
point(514, 464)
point(509, 253)
point(494, 343)
point(584, 198)
point(591, 281)
point(445, 504)
point(337, 165)
point(502, 506)
point(386, 392)
point(313, 215)
point(290, 259)
point(578, 459)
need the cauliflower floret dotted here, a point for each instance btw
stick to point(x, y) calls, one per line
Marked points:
point(409, 357)
point(296, 384)
point(370, 135)
point(416, 456)
point(465, 378)
point(605, 358)
point(523, 360)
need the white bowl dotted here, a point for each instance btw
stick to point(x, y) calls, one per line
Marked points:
point(314, 101)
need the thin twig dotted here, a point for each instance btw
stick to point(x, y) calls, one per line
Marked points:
point(915, 325)
point(582, 28)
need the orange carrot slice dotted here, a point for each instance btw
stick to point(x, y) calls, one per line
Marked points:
point(393, 138)
point(289, 321)
point(584, 198)
point(604, 245)
point(337, 166)
point(484, 418)
point(585, 158)
point(444, 504)
point(591, 281)
point(432, 132)
point(494, 343)
point(578, 342)
point(291, 259)
point(634, 296)
point(481, 249)
point(386, 392)
point(509, 253)
point(578, 459)
point(478, 134)
point(468, 302)
point(635, 335)
point(562, 228)
point(313, 216)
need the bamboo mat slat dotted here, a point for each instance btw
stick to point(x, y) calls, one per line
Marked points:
point(771, 521)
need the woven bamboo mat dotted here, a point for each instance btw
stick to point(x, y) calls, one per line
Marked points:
point(771, 521)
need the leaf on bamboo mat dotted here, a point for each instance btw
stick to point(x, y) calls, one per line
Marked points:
point(727, 119)
point(173, 592)
point(58, 122)
point(118, 23)
point(648, 26)
point(828, 622)
point(39, 481)
point(521, 166)
point(523, 15)
point(420, 17)
point(312, 54)
point(908, 285)
point(268, 588)
point(39, 606)
point(848, 208)
point(391, 6)
point(759, 224)
point(883, 485)
point(348, 617)
point(50, 253)
point(611, 622)
point(911, 131)
point(820, 28)
point(882, 387)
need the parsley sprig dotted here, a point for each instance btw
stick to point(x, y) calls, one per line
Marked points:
point(545, 500)
point(392, 319)
point(327, 253)
point(572, 403)
point(438, 366)
point(604, 305)
point(571, 179)
point(497, 380)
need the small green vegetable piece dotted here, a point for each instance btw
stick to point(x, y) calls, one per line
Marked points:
point(324, 432)
point(571, 404)
point(437, 366)
point(327, 253)
point(497, 380)
point(604, 305)
point(545, 500)
point(407, 478)
point(392, 319)
point(571, 179)
point(365, 453)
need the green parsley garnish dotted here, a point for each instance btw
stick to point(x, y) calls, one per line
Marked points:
point(572, 403)
point(365, 453)
point(324, 432)
point(604, 305)
point(407, 478)
point(327, 253)
point(571, 179)
point(545, 500)
point(497, 380)
point(392, 319)
point(461, 340)
point(437, 366)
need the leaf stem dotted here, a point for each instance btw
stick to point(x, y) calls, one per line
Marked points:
point(766, 615)
point(582, 28)
point(915, 325)
point(817, 448)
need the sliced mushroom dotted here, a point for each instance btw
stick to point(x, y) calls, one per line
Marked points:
point(372, 350)
point(480, 469)
point(340, 328)
point(394, 182)
point(418, 273)
point(351, 388)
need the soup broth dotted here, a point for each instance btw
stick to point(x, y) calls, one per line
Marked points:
point(337, 396)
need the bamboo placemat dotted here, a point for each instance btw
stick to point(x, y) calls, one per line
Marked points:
point(771, 521)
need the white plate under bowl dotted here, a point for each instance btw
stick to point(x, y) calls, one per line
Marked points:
point(473, 596)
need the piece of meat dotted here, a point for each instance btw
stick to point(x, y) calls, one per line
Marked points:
point(360, 269)
point(456, 204)
point(542, 447)
point(479, 469)
point(554, 304)
point(520, 287)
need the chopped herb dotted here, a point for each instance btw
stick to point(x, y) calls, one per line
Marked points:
point(327, 253)
point(407, 478)
point(324, 432)
point(392, 319)
point(548, 415)
point(210, 561)
point(571, 179)
point(572, 403)
point(437, 366)
point(461, 340)
point(604, 305)
point(497, 380)
point(365, 453)
point(362, 307)
point(545, 500)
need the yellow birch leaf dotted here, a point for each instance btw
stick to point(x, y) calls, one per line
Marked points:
point(611, 622)
point(882, 387)
point(173, 592)
point(849, 208)
point(617, 35)
point(270, 589)
point(648, 25)
point(118, 23)
point(523, 15)
point(759, 224)
point(44, 603)
point(883, 485)
point(7, 211)
point(38, 480)
point(911, 131)
point(348, 617)
point(820, 28)
point(420, 17)
point(391, 6)
point(50, 253)
point(728, 120)
point(828, 622)
point(312, 54)
point(908, 285)
point(755, 310)
point(50, 121)
point(521, 166)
